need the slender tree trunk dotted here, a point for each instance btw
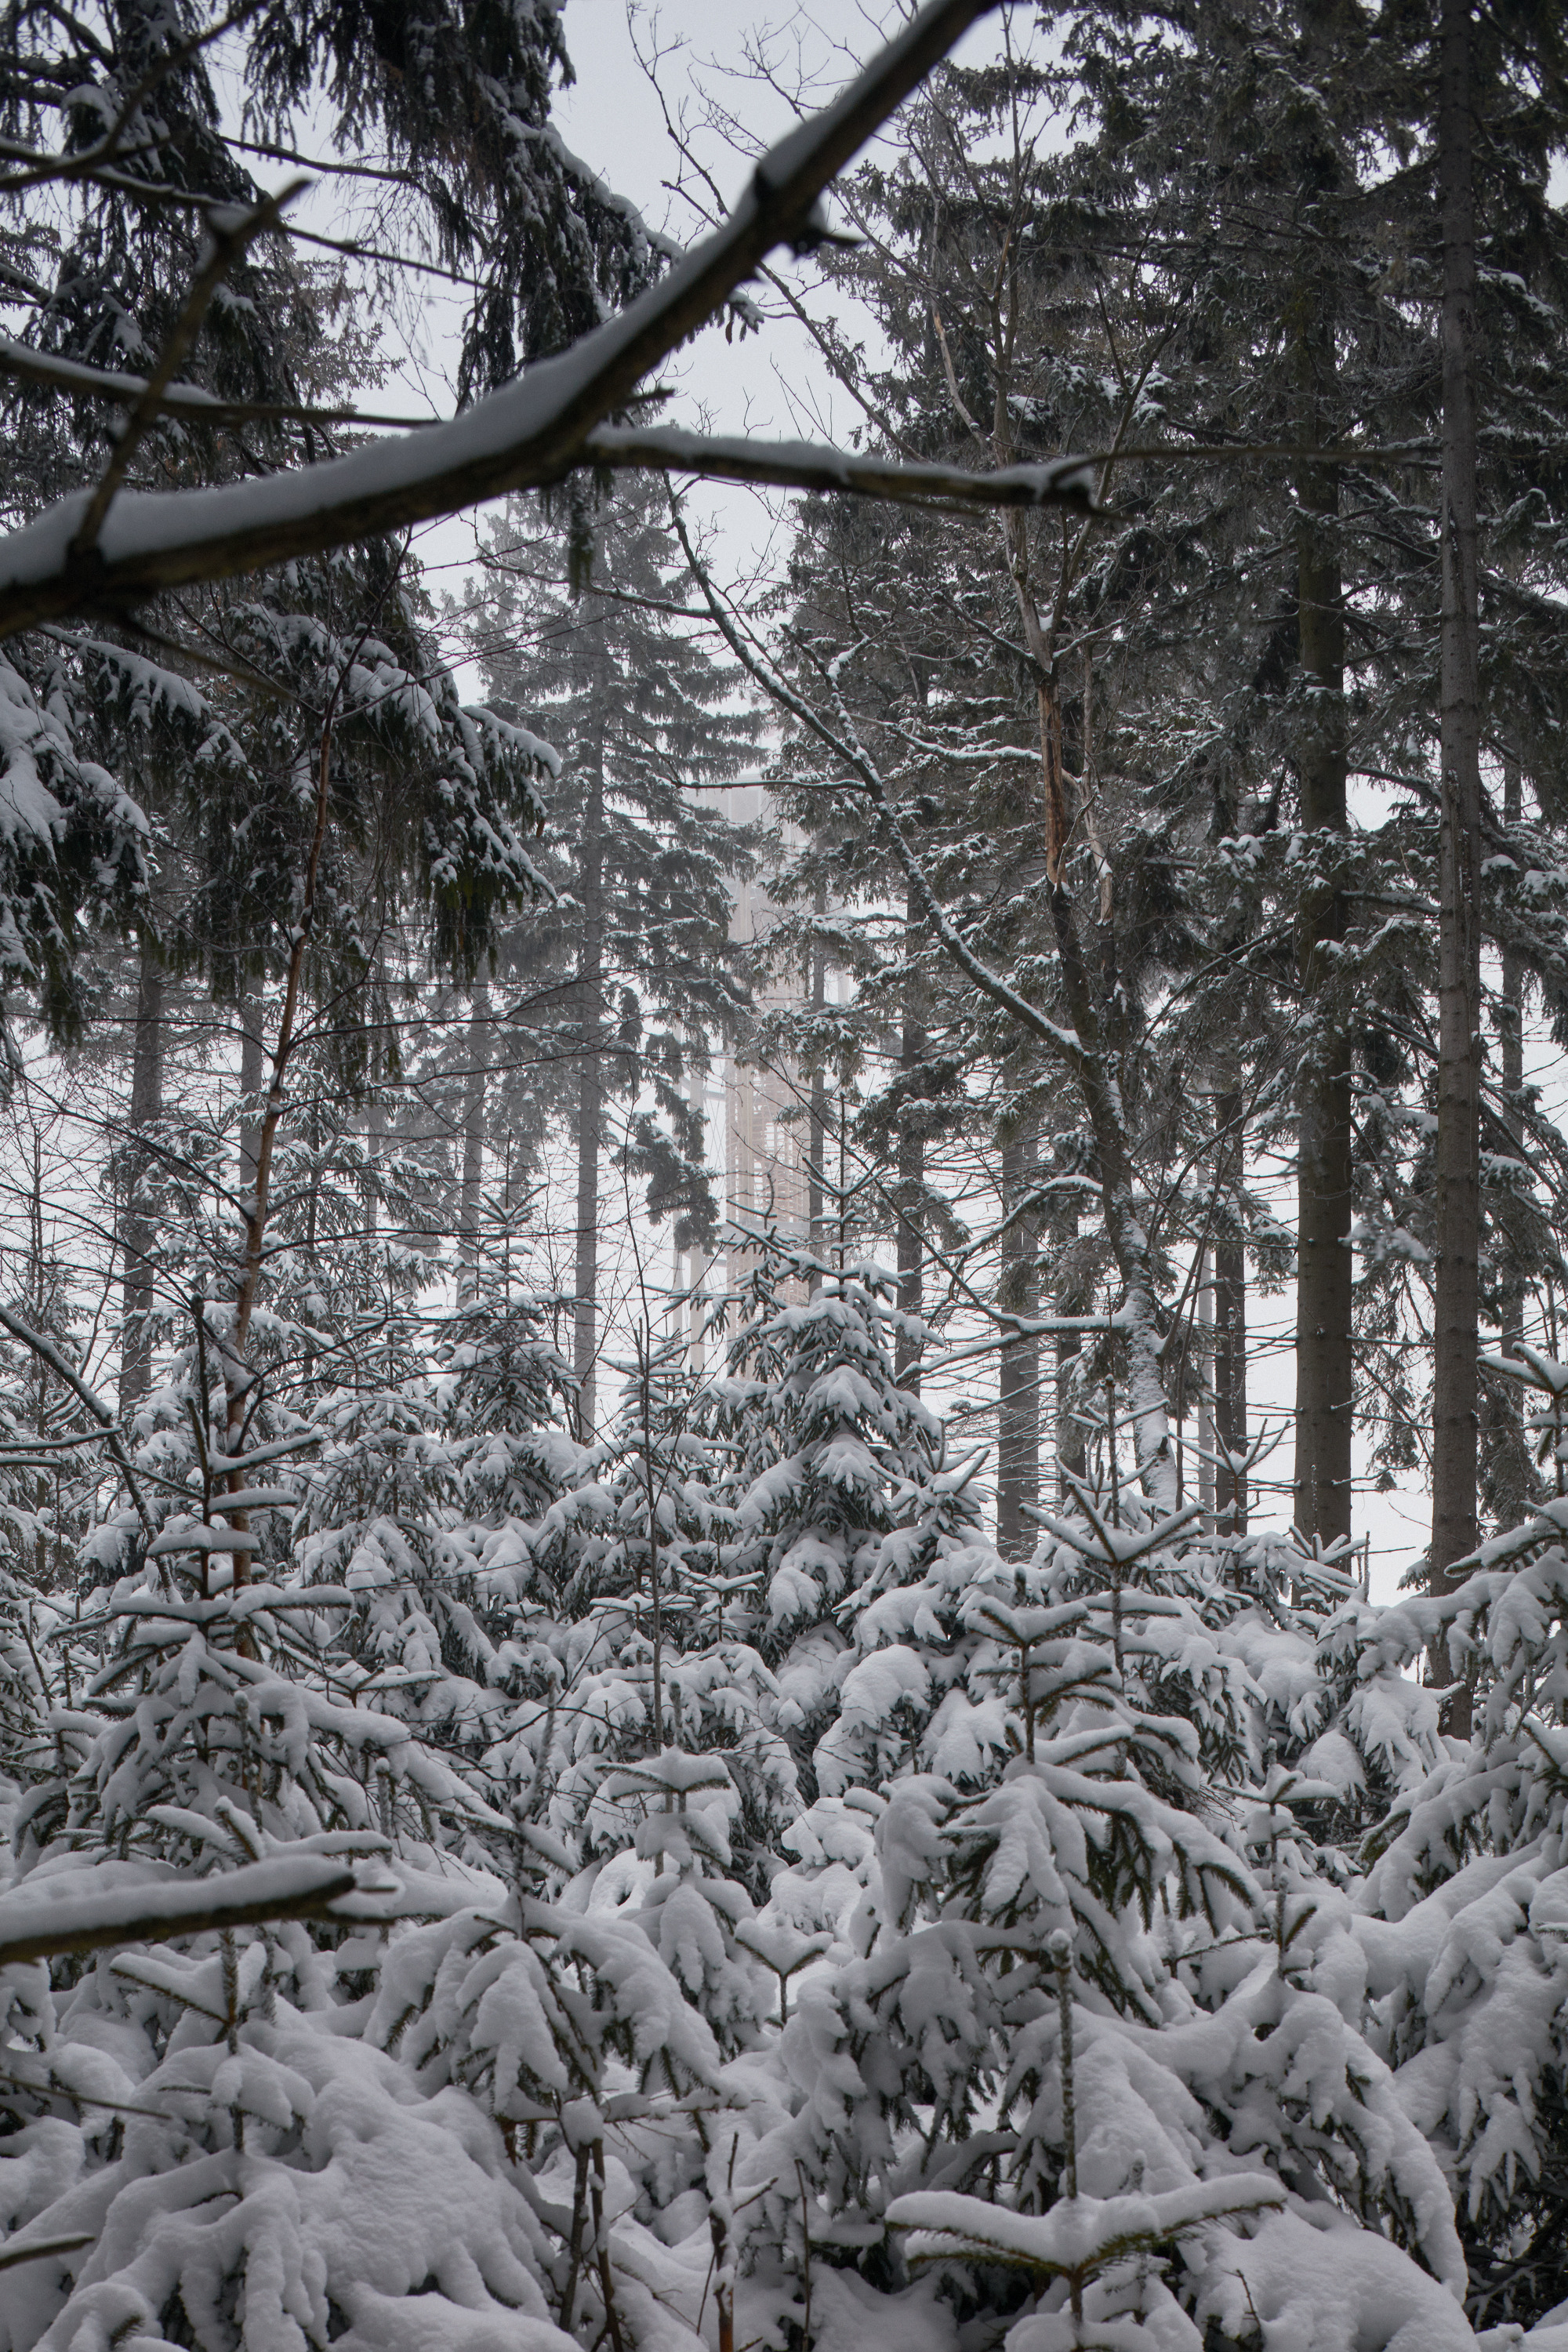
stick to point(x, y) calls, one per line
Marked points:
point(1324, 1371)
point(1095, 1068)
point(475, 1083)
point(909, 1198)
point(375, 1152)
point(1512, 1026)
point(1018, 1401)
point(374, 1116)
point(817, 1130)
point(1097, 1030)
point(1230, 1324)
point(1204, 1335)
point(251, 1053)
point(136, 1223)
point(238, 1377)
point(590, 1095)
point(1072, 1455)
point(1456, 1301)
point(1507, 1472)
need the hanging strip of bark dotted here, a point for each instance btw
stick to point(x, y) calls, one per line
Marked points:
point(1456, 1307)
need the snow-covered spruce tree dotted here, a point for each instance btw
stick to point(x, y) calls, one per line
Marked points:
point(1214, 2027)
point(826, 1448)
point(636, 1630)
point(345, 2131)
point(504, 1391)
point(1094, 2005)
point(1456, 1935)
point(629, 987)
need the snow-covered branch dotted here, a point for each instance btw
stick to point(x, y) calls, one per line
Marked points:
point(533, 432)
point(56, 1917)
point(817, 466)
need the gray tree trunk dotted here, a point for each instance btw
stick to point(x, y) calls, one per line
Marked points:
point(374, 1128)
point(476, 1080)
point(1508, 1477)
point(1072, 1298)
point(1323, 1266)
point(590, 1098)
point(1230, 1320)
point(1018, 1399)
point(910, 1195)
point(817, 1127)
point(1456, 1309)
point(251, 1059)
point(136, 1222)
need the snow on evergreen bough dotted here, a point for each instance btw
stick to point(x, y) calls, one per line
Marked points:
point(1078, 2235)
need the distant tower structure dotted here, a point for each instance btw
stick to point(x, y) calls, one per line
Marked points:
point(765, 1124)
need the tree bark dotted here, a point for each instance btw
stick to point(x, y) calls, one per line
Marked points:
point(375, 1118)
point(1230, 1322)
point(251, 1053)
point(475, 1085)
point(1456, 1295)
point(590, 1095)
point(1072, 1298)
point(910, 1177)
point(1324, 1371)
point(1512, 1026)
point(816, 1127)
point(1095, 1068)
point(1507, 1466)
point(1018, 1381)
point(136, 1222)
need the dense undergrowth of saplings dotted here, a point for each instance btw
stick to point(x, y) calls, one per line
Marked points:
point(762, 1914)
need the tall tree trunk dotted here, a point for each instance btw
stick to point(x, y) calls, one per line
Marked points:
point(910, 1197)
point(1324, 1371)
point(475, 1083)
point(1457, 1300)
point(590, 1095)
point(374, 1116)
point(1095, 1063)
point(1203, 1331)
point(136, 1222)
point(375, 1152)
point(239, 1377)
point(1018, 1399)
point(816, 1128)
point(1512, 1026)
point(251, 1053)
point(1230, 1322)
point(1507, 1466)
point(1073, 1296)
